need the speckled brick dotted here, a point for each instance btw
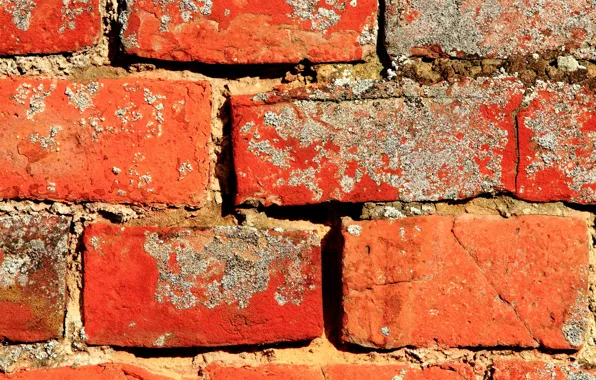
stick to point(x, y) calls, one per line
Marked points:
point(416, 281)
point(376, 142)
point(97, 372)
point(175, 287)
point(557, 154)
point(489, 28)
point(250, 31)
point(113, 140)
point(264, 372)
point(32, 277)
point(48, 26)
point(518, 369)
point(398, 372)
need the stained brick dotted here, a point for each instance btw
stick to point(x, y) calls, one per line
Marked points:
point(556, 145)
point(49, 26)
point(489, 28)
point(472, 281)
point(168, 287)
point(251, 31)
point(395, 372)
point(518, 369)
point(263, 372)
point(376, 142)
point(32, 277)
point(114, 140)
point(97, 372)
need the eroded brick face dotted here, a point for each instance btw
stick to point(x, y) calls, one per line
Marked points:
point(556, 145)
point(416, 281)
point(171, 287)
point(98, 372)
point(32, 277)
point(252, 31)
point(48, 26)
point(120, 141)
point(395, 372)
point(427, 143)
point(518, 369)
point(264, 372)
point(489, 28)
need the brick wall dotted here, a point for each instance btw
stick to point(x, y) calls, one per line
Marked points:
point(297, 189)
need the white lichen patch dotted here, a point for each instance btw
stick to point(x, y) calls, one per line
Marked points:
point(71, 9)
point(230, 265)
point(576, 326)
point(427, 148)
point(82, 95)
point(321, 14)
point(354, 229)
point(47, 142)
point(33, 97)
point(20, 11)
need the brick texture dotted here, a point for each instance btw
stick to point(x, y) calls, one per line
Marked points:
point(98, 372)
point(520, 281)
point(169, 287)
point(32, 277)
point(121, 140)
point(395, 372)
point(427, 143)
point(489, 28)
point(252, 31)
point(49, 26)
point(556, 145)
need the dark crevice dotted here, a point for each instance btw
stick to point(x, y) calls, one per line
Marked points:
point(382, 53)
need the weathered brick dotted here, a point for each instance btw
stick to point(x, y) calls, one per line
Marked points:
point(97, 372)
point(376, 142)
point(395, 372)
point(416, 281)
point(489, 28)
point(518, 369)
point(166, 287)
point(114, 140)
point(32, 277)
point(557, 131)
point(252, 31)
point(263, 372)
point(49, 26)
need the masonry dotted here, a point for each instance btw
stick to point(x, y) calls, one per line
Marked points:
point(297, 189)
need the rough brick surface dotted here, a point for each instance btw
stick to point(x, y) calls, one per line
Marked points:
point(264, 372)
point(167, 287)
point(32, 277)
point(520, 281)
point(121, 140)
point(49, 26)
point(251, 31)
point(396, 372)
point(556, 145)
point(426, 143)
point(98, 372)
point(517, 369)
point(489, 28)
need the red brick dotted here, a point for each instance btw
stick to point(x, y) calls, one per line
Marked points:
point(396, 372)
point(264, 372)
point(32, 277)
point(556, 144)
point(174, 287)
point(49, 26)
point(496, 28)
point(473, 281)
point(426, 143)
point(114, 140)
point(517, 369)
point(97, 372)
point(250, 31)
